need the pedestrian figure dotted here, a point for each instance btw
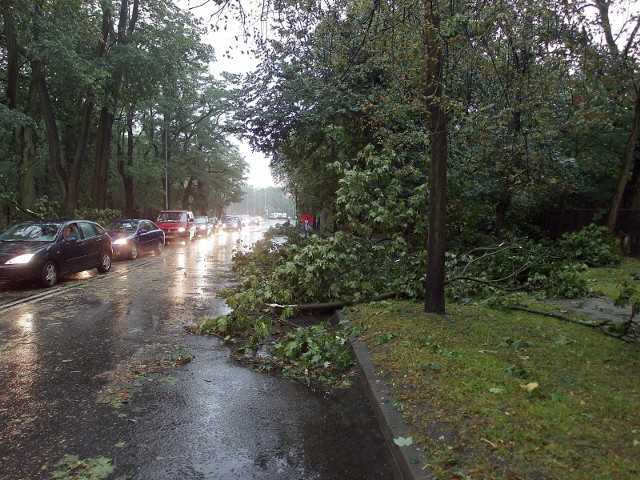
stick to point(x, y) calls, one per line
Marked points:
point(307, 222)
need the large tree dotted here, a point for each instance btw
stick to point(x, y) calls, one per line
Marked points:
point(86, 79)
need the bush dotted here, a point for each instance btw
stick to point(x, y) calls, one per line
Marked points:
point(101, 216)
point(592, 246)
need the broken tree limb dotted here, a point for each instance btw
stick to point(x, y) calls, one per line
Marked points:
point(310, 307)
point(630, 325)
point(558, 316)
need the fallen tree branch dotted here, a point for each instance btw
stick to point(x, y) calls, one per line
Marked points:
point(558, 316)
point(600, 326)
point(309, 307)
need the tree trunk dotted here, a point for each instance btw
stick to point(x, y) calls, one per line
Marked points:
point(107, 113)
point(75, 171)
point(103, 155)
point(23, 134)
point(127, 180)
point(501, 212)
point(627, 165)
point(632, 141)
point(438, 152)
point(187, 194)
point(11, 58)
point(53, 138)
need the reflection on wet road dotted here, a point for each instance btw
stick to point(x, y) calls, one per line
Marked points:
point(93, 369)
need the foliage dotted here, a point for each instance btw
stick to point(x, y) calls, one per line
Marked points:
point(139, 86)
point(319, 352)
point(72, 467)
point(46, 208)
point(518, 266)
point(286, 269)
point(593, 246)
point(276, 275)
point(101, 216)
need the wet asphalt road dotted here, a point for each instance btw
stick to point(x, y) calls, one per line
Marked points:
point(93, 370)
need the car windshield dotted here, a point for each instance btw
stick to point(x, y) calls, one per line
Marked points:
point(230, 219)
point(202, 219)
point(170, 217)
point(121, 227)
point(31, 232)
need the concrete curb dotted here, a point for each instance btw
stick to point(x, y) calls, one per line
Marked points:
point(408, 460)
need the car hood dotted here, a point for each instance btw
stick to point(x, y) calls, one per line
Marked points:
point(117, 235)
point(8, 250)
point(171, 224)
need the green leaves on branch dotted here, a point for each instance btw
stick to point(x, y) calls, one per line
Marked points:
point(317, 352)
point(528, 266)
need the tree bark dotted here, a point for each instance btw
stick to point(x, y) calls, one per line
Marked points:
point(25, 139)
point(103, 155)
point(53, 138)
point(75, 171)
point(123, 169)
point(438, 152)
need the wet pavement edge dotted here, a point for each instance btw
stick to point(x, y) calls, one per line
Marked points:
point(408, 460)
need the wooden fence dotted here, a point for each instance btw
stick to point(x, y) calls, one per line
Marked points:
point(557, 222)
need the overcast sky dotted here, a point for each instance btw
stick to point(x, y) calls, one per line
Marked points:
point(223, 40)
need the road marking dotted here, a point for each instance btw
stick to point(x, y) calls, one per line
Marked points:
point(59, 290)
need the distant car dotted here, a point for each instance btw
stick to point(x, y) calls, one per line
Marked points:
point(177, 224)
point(45, 250)
point(203, 226)
point(231, 222)
point(132, 236)
point(256, 220)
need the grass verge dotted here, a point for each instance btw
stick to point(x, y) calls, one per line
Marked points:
point(508, 395)
point(607, 281)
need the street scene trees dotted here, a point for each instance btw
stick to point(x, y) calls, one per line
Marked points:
point(474, 158)
point(432, 126)
point(496, 115)
point(111, 104)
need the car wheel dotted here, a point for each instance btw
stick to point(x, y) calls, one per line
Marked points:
point(133, 253)
point(159, 248)
point(105, 263)
point(49, 275)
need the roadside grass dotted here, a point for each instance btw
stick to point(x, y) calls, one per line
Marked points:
point(607, 282)
point(509, 395)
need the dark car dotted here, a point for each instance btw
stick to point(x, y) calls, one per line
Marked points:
point(45, 250)
point(132, 236)
point(231, 222)
point(203, 226)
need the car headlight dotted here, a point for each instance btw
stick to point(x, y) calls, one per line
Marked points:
point(181, 229)
point(20, 259)
point(120, 241)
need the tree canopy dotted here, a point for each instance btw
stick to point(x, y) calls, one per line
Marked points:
point(111, 104)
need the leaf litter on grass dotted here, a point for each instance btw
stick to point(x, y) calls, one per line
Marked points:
point(524, 396)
